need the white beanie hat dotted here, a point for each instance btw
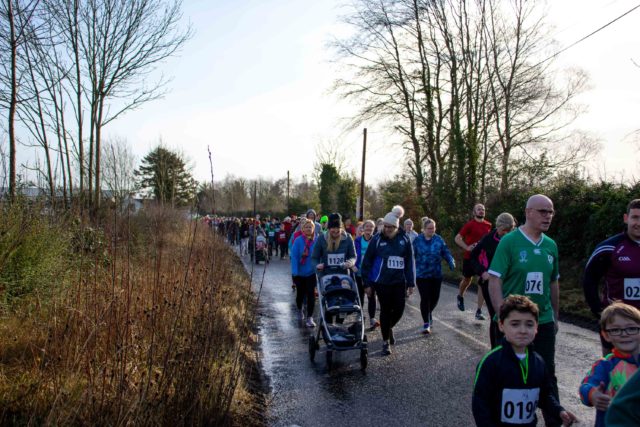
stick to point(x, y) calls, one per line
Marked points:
point(393, 217)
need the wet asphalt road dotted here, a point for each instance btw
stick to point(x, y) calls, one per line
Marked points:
point(427, 381)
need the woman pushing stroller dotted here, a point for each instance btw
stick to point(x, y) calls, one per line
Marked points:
point(334, 251)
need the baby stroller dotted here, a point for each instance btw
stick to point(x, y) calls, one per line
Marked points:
point(261, 249)
point(340, 324)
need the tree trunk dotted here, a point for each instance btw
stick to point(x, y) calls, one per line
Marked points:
point(13, 103)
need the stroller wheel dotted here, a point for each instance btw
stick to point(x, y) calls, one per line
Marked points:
point(364, 358)
point(312, 348)
point(329, 360)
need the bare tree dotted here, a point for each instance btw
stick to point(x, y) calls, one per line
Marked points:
point(529, 106)
point(119, 163)
point(16, 16)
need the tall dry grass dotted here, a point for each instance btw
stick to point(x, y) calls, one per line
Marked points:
point(153, 325)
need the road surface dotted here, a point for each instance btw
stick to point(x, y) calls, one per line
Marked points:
point(427, 381)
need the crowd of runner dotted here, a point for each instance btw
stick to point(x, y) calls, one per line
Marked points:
point(517, 270)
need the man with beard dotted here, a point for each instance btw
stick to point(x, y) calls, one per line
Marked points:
point(617, 259)
point(467, 239)
point(526, 263)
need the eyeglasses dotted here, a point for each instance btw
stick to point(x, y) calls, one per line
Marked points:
point(390, 226)
point(633, 330)
point(545, 212)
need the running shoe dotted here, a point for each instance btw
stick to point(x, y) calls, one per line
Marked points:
point(392, 339)
point(386, 350)
point(426, 328)
point(302, 315)
point(310, 323)
point(373, 323)
point(479, 315)
point(460, 303)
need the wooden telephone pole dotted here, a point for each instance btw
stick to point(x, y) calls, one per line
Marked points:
point(364, 153)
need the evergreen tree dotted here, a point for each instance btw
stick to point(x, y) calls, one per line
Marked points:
point(164, 175)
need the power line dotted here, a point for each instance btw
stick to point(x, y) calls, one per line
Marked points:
point(590, 34)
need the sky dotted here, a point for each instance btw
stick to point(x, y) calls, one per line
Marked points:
point(253, 86)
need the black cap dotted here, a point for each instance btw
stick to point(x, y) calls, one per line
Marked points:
point(335, 221)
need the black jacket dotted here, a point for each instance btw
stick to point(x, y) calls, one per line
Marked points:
point(500, 370)
point(484, 251)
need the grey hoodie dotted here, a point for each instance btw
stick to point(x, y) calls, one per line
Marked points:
point(334, 261)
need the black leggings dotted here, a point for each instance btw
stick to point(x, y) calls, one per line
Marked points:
point(304, 287)
point(429, 289)
point(371, 301)
point(392, 299)
point(494, 331)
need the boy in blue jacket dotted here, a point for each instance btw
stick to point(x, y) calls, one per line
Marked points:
point(512, 380)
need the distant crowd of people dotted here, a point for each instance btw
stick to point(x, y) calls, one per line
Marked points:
point(518, 279)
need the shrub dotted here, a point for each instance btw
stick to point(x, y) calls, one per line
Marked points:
point(34, 253)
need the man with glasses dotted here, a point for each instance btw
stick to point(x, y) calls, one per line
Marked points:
point(526, 263)
point(617, 260)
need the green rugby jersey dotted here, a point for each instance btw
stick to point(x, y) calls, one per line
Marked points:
point(527, 268)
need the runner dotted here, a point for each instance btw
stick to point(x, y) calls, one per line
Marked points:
point(617, 259)
point(429, 250)
point(467, 239)
point(526, 263)
point(281, 240)
point(303, 272)
point(349, 228)
point(388, 269)
point(481, 257)
point(361, 244)
point(408, 228)
point(334, 251)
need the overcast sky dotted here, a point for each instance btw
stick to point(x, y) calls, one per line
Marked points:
point(252, 85)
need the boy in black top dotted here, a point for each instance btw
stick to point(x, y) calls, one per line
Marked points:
point(512, 380)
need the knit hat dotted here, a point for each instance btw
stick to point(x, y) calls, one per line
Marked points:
point(334, 221)
point(393, 217)
point(324, 219)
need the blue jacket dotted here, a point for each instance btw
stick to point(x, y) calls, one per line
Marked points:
point(429, 255)
point(614, 371)
point(389, 262)
point(359, 254)
point(297, 267)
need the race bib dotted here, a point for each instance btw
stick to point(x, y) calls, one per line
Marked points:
point(395, 263)
point(533, 285)
point(519, 405)
point(335, 260)
point(272, 233)
point(632, 289)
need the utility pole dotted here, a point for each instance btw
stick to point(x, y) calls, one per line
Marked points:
point(288, 183)
point(213, 192)
point(254, 198)
point(364, 153)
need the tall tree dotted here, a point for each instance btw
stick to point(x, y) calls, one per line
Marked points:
point(329, 183)
point(15, 18)
point(164, 175)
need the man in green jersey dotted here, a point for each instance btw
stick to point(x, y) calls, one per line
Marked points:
point(526, 263)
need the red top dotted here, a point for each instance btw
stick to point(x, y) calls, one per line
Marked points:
point(472, 232)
